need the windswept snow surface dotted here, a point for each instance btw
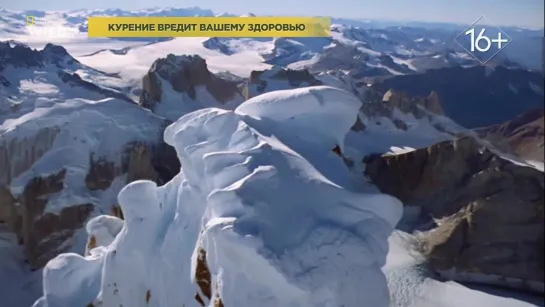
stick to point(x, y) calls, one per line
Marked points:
point(411, 286)
point(100, 127)
point(278, 227)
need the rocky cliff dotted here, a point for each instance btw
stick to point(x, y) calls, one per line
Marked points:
point(474, 97)
point(45, 234)
point(277, 78)
point(488, 211)
point(176, 85)
point(522, 136)
point(66, 151)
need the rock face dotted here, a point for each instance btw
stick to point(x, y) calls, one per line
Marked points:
point(491, 211)
point(46, 201)
point(414, 105)
point(218, 44)
point(20, 55)
point(46, 234)
point(17, 156)
point(394, 105)
point(474, 97)
point(184, 74)
point(277, 78)
point(522, 136)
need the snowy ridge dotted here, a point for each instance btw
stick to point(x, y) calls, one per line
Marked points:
point(34, 79)
point(83, 128)
point(259, 203)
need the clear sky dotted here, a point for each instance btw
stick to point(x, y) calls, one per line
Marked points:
point(526, 13)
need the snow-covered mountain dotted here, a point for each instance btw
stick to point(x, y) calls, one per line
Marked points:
point(381, 48)
point(524, 135)
point(247, 198)
point(177, 85)
point(274, 136)
point(69, 141)
point(263, 213)
point(475, 96)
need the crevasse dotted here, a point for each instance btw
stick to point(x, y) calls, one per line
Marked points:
point(262, 213)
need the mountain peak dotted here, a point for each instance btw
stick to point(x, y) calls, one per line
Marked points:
point(173, 64)
point(276, 78)
point(54, 49)
point(19, 54)
point(186, 74)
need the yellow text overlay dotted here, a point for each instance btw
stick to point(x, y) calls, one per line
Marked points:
point(209, 26)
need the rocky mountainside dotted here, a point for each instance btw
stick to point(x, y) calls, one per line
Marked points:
point(67, 193)
point(178, 85)
point(67, 145)
point(476, 96)
point(26, 73)
point(488, 211)
point(278, 78)
point(522, 136)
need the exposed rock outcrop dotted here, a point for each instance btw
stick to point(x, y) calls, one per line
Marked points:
point(218, 44)
point(46, 195)
point(18, 155)
point(394, 105)
point(278, 78)
point(45, 234)
point(523, 136)
point(498, 92)
point(184, 74)
point(491, 210)
point(203, 279)
point(155, 162)
point(414, 105)
point(8, 209)
point(101, 173)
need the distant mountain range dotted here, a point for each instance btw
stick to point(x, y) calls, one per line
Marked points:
point(409, 41)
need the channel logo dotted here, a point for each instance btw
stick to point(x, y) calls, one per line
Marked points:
point(30, 20)
point(39, 27)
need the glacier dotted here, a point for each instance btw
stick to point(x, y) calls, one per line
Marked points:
point(262, 213)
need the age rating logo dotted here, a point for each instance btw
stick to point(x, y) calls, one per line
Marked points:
point(483, 40)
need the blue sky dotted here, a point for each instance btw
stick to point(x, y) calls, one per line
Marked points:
point(527, 13)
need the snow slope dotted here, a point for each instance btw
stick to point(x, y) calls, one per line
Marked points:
point(18, 285)
point(52, 121)
point(136, 62)
point(43, 95)
point(411, 286)
point(86, 127)
point(277, 230)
